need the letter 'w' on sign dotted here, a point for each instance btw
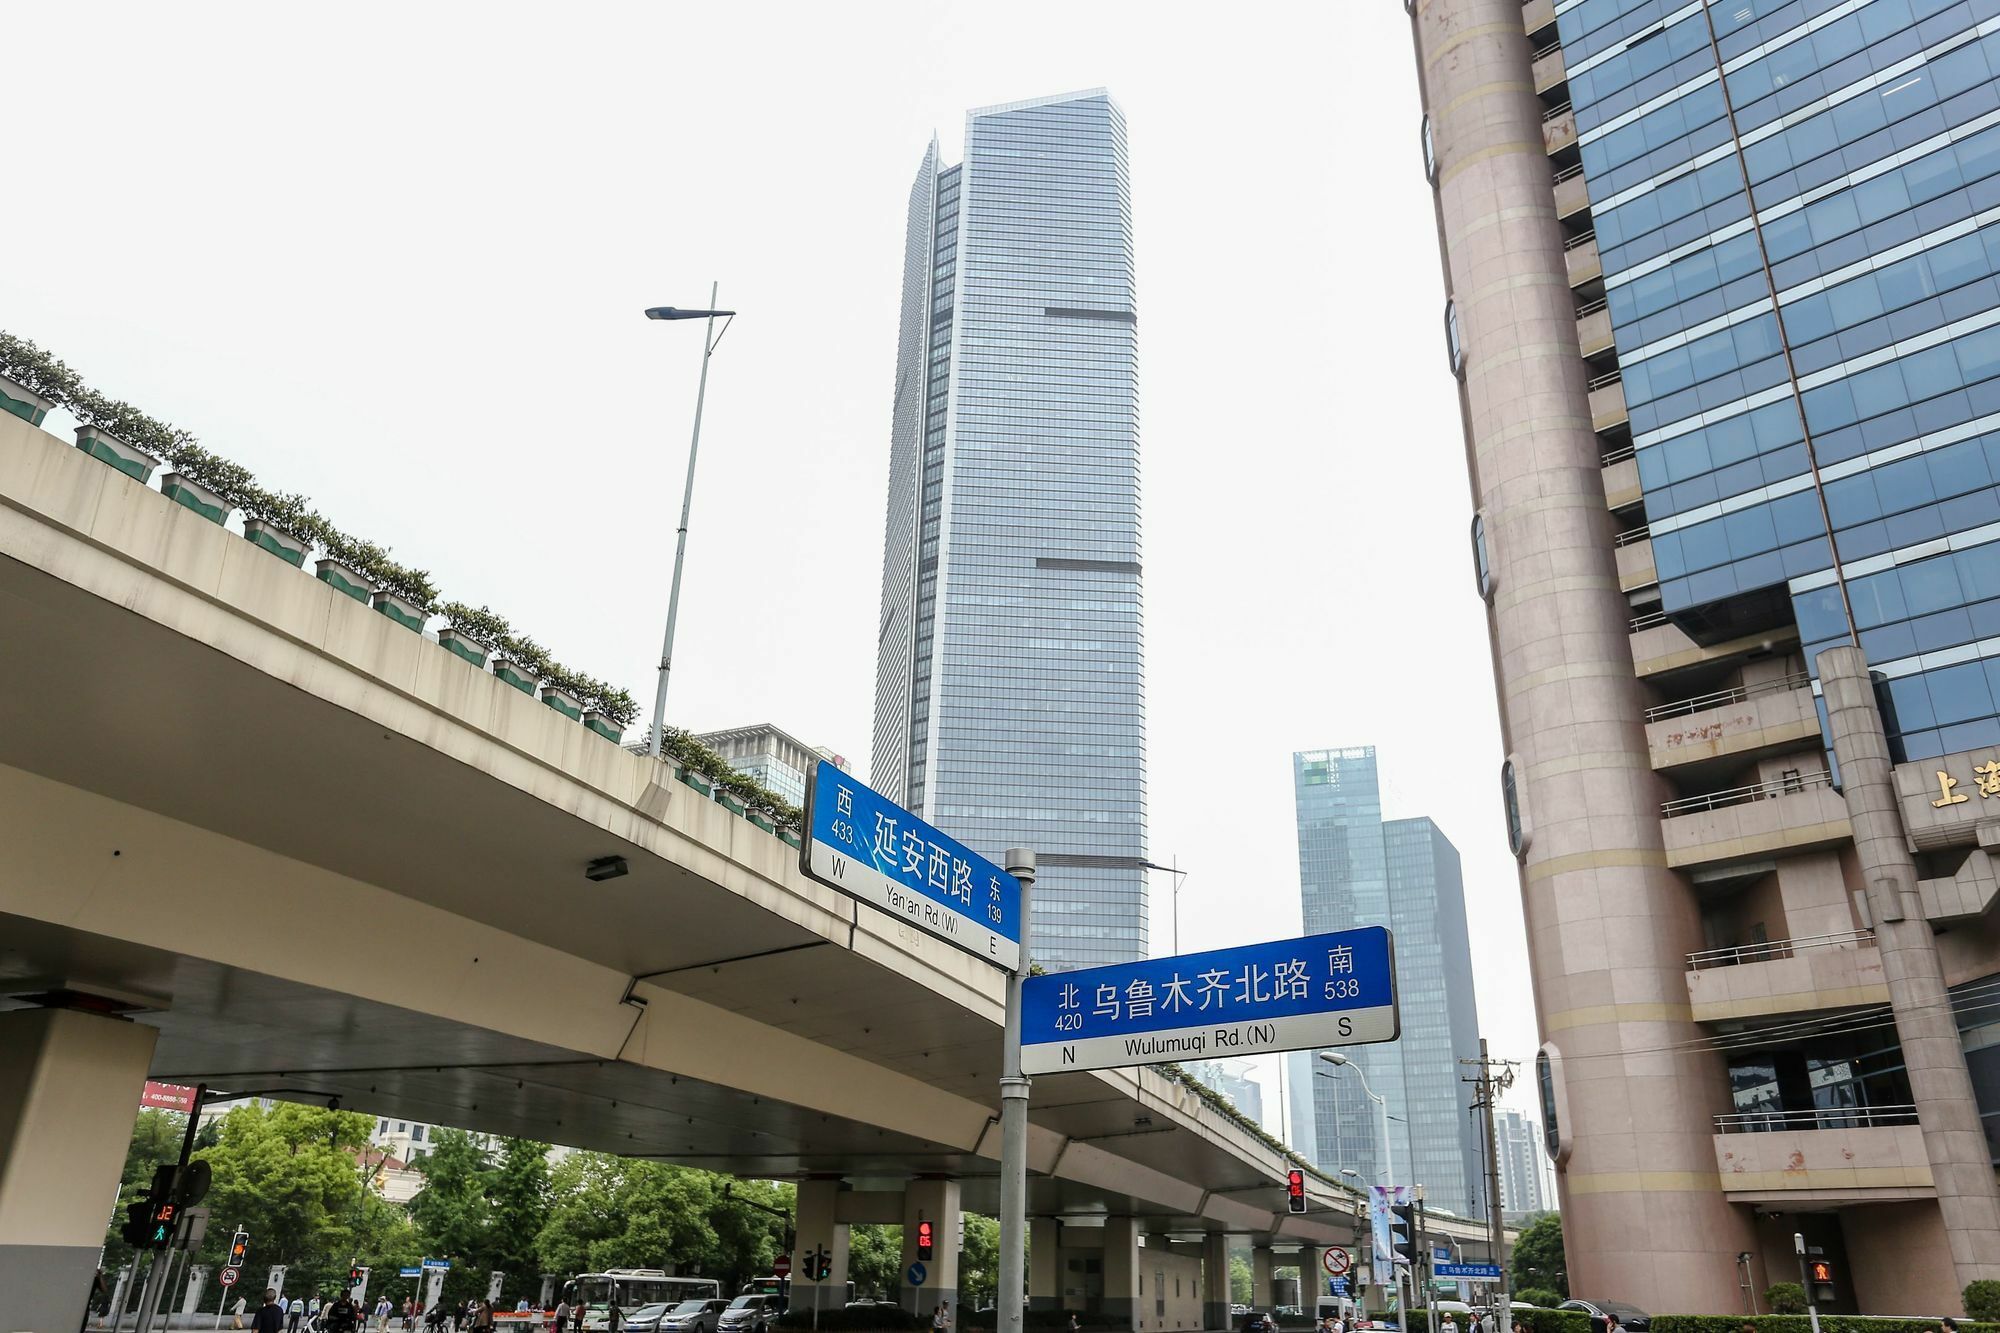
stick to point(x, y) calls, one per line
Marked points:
point(865, 845)
point(1336, 989)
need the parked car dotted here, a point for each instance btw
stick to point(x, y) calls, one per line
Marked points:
point(749, 1314)
point(1257, 1322)
point(1610, 1316)
point(696, 1316)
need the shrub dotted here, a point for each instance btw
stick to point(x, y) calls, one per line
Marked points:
point(1556, 1321)
point(289, 513)
point(1982, 1299)
point(1786, 1298)
point(476, 623)
point(1798, 1323)
point(38, 372)
point(1541, 1296)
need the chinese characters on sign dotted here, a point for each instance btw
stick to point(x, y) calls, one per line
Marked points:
point(865, 845)
point(1986, 778)
point(1322, 990)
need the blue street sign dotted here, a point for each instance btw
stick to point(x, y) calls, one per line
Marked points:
point(1336, 1286)
point(917, 1274)
point(437, 1263)
point(1337, 989)
point(409, 1272)
point(1488, 1271)
point(862, 843)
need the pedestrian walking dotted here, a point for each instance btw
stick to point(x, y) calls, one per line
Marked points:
point(270, 1316)
point(482, 1319)
point(941, 1317)
point(561, 1320)
point(295, 1313)
point(237, 1310)
point(312, 1310)
point(614, 1318)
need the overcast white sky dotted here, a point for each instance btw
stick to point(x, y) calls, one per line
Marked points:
point(395, 256)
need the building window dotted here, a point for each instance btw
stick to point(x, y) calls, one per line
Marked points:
point(1430, 151)
point(416, 1134)
point(1510, 795)
point(1482, 566)
point(1453, 343)
point(1545, 1085)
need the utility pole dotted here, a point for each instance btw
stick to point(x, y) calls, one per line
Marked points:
point(1489, 1086)
point(1014, 1090)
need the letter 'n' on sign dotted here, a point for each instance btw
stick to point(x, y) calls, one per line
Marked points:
point(1332, 989)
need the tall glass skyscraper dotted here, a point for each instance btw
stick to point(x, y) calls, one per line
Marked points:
point(1355, 869)
point(1723, 309)
point(1010, 686)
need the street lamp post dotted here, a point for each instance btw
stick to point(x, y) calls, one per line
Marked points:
point(709, 342)
point(1339, 1061)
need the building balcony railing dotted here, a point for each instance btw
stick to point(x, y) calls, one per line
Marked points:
point(1572, 194)
point(1631, 535)
point(1558, 129)
point(1581, 260)
point(1701, 702)
point(1619, 455)
point(1648, 620)
point(1594, 336)
point(1758, 791)
point(1537, 15)
point(1771, 950)
point(1830, 1117)
point(1548, 68)
point(1607, 402)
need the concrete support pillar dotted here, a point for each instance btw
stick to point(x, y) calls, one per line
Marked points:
point(935, 1201)
point(1312, 1278)
point(1262, 1298)
point(1968, 1197)
point(818, 1201)
point(1123, 1265)
point(1215, 1280)
point(69, 1092)
point(1045, 1266)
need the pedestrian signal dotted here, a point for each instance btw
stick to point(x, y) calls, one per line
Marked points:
point(926, 1241)
point(1821, 1273)
point(1295, 1190)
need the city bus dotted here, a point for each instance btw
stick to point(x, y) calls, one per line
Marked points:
point(634, 1287)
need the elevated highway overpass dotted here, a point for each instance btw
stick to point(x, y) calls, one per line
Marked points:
point(301, 847)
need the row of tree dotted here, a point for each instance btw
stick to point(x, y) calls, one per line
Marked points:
point(303, 1182)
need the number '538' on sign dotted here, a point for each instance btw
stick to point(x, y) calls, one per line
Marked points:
point(1336, 989)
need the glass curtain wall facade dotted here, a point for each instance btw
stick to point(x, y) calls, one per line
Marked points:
point(1010, 699)
point(1356, 870)
point(1739, 404)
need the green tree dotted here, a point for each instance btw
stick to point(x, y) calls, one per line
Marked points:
point(290, 1176)
point(1786, 1298)
point(978, 1262)
point(607, 1212)
point(1538, 1256)
point(1982, 1300)
point(520, 1193)
point(875, 1258)
point(1240, 1283)
point(451, 1210)
point(156, 1138)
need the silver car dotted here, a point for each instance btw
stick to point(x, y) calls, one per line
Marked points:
point(693, 1317)
point(749, 1314)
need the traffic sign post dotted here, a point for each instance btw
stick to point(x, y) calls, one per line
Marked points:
point(782, 1266)
point(1336, 989)
point(1336, 1261)
point(865, 845)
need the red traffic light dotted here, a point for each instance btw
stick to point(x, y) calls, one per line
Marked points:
point(1295, 1190)
point(926, 1241)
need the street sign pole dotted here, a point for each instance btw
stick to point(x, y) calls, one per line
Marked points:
point(1014, 1090)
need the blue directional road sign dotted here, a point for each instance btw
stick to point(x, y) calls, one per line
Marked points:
point(1337, 989)
point(437, 1263)
point(411, 1271)
point(862, 843)
point(1490, 1272)
point(917, 1274)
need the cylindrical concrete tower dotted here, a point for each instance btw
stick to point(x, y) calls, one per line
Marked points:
point(1609, 924)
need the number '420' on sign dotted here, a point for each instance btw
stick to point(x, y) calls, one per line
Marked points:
point(1336, 989)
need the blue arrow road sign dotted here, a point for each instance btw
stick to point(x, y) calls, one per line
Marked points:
point(917, 1274)
point(862, 843)
point(1487, 1271)
point(1336, 989)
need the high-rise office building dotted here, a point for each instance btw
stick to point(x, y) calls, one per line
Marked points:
point(776, 759)
point(1010, 693)
point(1355, 869)
point(1723, 308)
point(1520, 1164)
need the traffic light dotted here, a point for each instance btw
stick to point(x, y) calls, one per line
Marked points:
point(1821, 1273)
point(1295, 1190)
point(137, 1212)
point(150, 1219)
point(239, 1248)
point(819, 1264)
point(926, 1241)
point(353, 1278)
point(1403, 1233)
